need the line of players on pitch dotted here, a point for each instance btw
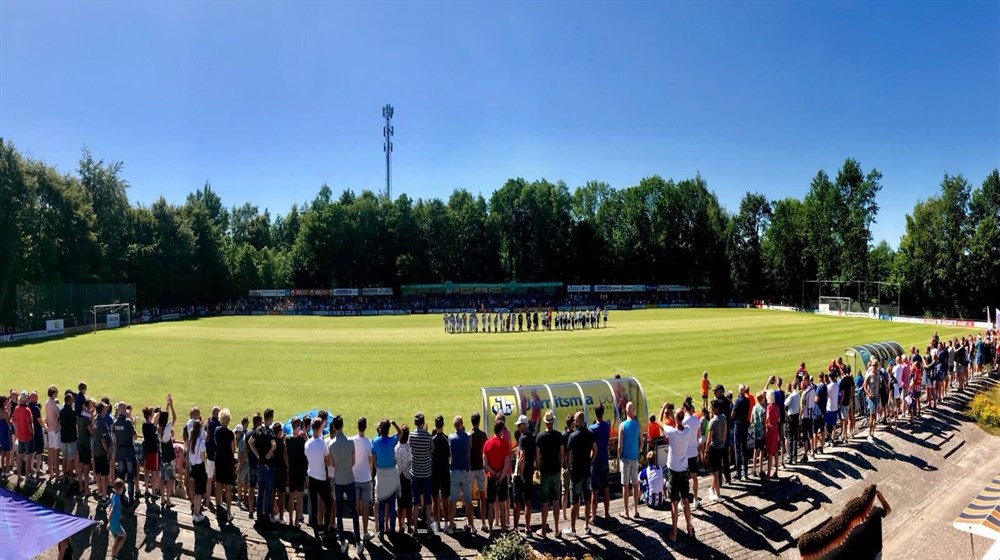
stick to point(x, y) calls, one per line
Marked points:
point(520, 321)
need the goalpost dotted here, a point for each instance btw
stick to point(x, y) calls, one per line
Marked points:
point(833, 304)
point(112, 313)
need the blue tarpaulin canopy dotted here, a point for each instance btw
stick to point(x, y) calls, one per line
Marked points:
point(287, 426)
point(28, 528)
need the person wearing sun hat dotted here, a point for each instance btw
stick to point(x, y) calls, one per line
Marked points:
point(549, 458)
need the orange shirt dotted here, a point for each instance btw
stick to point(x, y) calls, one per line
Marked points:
point(704, 386)
point(654, 430)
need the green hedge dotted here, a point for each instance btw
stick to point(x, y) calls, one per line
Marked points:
point(985, 408)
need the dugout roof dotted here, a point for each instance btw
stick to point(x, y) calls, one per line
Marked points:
point(982, 515)
point(884, 351)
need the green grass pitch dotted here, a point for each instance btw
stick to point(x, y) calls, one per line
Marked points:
point(395, 366)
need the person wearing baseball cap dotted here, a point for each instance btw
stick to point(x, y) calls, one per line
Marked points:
point(549, 460)
point(524, 472)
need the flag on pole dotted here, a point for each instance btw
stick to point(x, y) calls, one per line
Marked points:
point(996, 318)
point(988, 321)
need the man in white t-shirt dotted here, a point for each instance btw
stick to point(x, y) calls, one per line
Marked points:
point(691, 422)
point(832, 406)
point(317, 462)
point(679, 441)
point(364, 463)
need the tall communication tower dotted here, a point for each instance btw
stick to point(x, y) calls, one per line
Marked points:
point(387, 133)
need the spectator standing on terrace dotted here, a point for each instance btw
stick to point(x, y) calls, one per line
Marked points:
point(461, 480)
point(440, 474)
point(477, 440)
point(52, 438)
point(195, 450)
point(342, 460)
point(150, 451)
point(364, 465)
point(101, 442)
point(38, 444)
point(68, 438)
point(740, 422)
point(496, 459)
point(793, 409)
point(225, 465)
point(404, 467)
point(24, 430)
point(757, 420)
point(601, 430)
point(693, 423)
point(582, 451)
point(115, 518)
point(807, 416)
point(280, 464)
point(125, 461)
point(165, 436)
point(386, 477)
point(718, 431)
point(295, 446)
point(421, 469)
point(871, 393)
point(317, 461)
point(549, 460)
point(262, 446)
point(819, 431)
point(772, 422)
point(678, 440)
point(524, 473)
point(84, 454)
point(628, 454)
point(210, 427)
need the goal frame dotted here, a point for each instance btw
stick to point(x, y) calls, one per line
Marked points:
point(840, 300)
point(111, 308)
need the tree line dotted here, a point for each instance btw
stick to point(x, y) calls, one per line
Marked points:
point(80, 227)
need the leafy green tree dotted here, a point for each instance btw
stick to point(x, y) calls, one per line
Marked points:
point(746, 232)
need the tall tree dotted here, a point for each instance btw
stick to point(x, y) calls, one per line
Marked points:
point(108, 192)
point(745, 246)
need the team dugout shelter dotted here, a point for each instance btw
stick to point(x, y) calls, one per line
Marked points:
point(565, 399)
point(883, 351)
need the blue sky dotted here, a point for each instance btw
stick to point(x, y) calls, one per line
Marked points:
point(269, 101)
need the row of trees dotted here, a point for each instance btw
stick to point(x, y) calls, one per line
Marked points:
point(57, 227)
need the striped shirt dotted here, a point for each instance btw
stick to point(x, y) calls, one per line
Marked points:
point(421, 446)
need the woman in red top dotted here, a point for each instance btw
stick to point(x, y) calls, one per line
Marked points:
point(771, 419)
point(24, 428)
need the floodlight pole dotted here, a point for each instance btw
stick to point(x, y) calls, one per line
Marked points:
point(387, 148)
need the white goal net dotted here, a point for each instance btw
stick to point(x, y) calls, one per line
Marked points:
point(834, 305)
point(111, 315)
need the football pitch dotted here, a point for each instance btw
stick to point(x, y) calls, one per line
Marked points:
point(395, 366)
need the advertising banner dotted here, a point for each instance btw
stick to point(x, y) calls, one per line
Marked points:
point(345, 292)
point(114, 320)
point(270, 293)
point(376, 291)
point(577, 288)
point(369, 312)
point(170, 316)
point(387, 312)
point(566, 399)
point(54, 326)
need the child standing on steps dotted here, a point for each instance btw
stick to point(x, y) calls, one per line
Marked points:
point(115, 518)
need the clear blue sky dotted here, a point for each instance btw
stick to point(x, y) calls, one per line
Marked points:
point(269, 101)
